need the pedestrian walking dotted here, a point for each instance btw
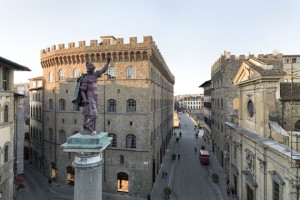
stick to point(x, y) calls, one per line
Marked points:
point(49, 181)
point(166, 174)
point(178, 156)
point(163, 174)
point(195, 150)
point(232, 190)
point(228, 190)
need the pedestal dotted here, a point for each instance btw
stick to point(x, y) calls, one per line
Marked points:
point(88, 164)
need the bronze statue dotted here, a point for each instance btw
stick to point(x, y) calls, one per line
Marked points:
point(89, 95)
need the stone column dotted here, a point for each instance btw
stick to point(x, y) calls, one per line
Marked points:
point(88, 176)
point(88, 164)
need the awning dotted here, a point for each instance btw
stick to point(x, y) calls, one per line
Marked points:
point(249, 179)
point(276, 177)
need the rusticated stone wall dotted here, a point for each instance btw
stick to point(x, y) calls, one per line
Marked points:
point(151, 124)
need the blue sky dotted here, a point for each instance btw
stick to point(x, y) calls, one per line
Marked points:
point(191, 34)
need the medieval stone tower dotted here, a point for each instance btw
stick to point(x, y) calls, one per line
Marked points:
point(135, 108)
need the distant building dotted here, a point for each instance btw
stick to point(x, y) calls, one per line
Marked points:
point(8, 128)
point(190, 104)
point(36, 122)
point(291, 63)
point(207, 87)
point(135, 107)
point(22, 130)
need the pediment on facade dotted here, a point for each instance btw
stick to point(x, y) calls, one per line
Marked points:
point(248, 70)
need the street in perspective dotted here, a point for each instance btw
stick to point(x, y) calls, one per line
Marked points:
point(188, 178)
point(185, 175)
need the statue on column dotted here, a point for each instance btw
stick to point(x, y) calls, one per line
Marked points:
point(86, 96)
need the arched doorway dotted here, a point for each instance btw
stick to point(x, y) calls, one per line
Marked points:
point(70, 175)
point(122, 182)
point(53, 171)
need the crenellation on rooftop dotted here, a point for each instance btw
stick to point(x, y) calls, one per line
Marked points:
point(53, 47)
point(81, 44)
point(105, 41)
point(120, 41)
point(227, 56)
point(133, 40)
point(71, 45)
point(61, 46)
point(93, 42)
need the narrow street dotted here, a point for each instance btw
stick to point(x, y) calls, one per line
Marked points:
point(37, 188)
point(191, 179)
point(188, 179)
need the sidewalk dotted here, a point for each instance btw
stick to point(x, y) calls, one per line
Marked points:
point(221, 186)
point(169, 166)
point(67, 192)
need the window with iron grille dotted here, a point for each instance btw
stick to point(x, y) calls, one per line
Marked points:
point(130, 73)
point(114, 140)
point(111, 73)
point(131, 105)
point(76, 73)
point(62, 136)
point(62, 104)
point(130, 141)
point(111, 105)
point(61, 75)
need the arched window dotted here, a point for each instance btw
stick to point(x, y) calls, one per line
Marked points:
point(62, 104)
point(131, 105)
point(297, 126)
point(61, 75)
point(130, 141)
point(6, 113)
point(50, 134)
point(111, 73)
point(50, 77)
point(221, 103)
point(111, 105)
point(76, 107)
point(40, 112)
point(40, 136)
point(145, 56)
point(76, 73)
point(62, 136)
point(126, 56)
point(130, 73)
point(138, 56)
point(6, 153)
point(114, 140)
point(50, 104)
